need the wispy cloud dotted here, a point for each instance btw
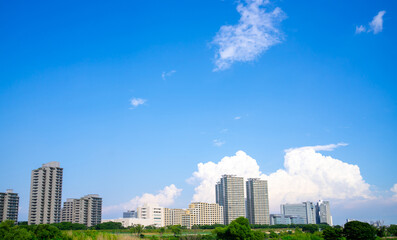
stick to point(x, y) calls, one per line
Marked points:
point(218, 142)
point(375, 26)
point(255, 32)
point(237, 118)
point(164, 75)
point(394, 190)
point(360, 29)
point(135, 102)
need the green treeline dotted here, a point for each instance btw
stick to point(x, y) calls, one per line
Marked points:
point(239, 229)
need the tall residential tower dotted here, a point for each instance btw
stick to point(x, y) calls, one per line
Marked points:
point(257, 201)
point(46, 194)
point(9, 202)
point(86, 210)
point(230, 195)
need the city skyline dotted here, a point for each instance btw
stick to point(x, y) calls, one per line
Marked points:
point(155, 101)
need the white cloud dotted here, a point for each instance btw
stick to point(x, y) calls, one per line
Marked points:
point(375, 26)
point(255, 32)
point(360, 29)
point(163, 198)
point(394, 190)
point(218, 142)
point(237, 118)
point(164, 75)
point(135, 102)
point(307, 175)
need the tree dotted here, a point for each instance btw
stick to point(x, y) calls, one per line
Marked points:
point(392, 230)
point(108, 225)
point(162, 231)
point(137, 228)
point(356, 230)
point(311, 228)
point(176, 230)
point(331, 233)
point(237, 230)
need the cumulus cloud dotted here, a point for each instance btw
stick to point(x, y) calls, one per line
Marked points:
point(375, 26)
point(163, 198)
point(218, 142)
point(255, 32)
point(135, 102)
point(164, 75)
point(394, 190)
point(307, 175)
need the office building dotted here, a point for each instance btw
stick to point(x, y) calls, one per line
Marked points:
point(9, 202)
point(323, 212)
point(257, 201)
point(305, 210)
point(130, 214)
point(285, 219)
point(230, 195)
point(155, 213)
point(86, 210)
point(46, 194)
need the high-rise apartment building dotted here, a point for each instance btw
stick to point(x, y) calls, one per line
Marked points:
point(67, 210)
point(305, 210)
point(9, 202)
point(230, 195)
point(257, 201)
point(86, 210)
point(323, 212)
point(46, 194)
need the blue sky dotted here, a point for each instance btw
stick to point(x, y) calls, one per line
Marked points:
point(69, 72)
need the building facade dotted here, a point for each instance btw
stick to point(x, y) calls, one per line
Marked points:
point(257, 201)
point(173, 216)
point(230, 195)
point(9, 203)
point(206, 213)
point(155, 213)
point(130, 214)
point(323, 212)
point(86, 210)
point(305, 210)
point(46, 194)
point(285, 219)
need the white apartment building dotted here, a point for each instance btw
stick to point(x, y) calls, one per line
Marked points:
point(46, 194)
point(9, 202)
point(153, 212)
point(206, 213)
point(86, 210)
point(230, 195)
point(173, 216)
point(257, 201)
